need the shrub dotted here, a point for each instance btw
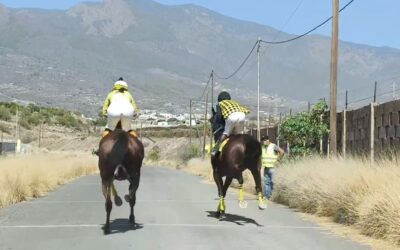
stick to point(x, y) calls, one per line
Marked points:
point(27, 138)
point(190, 152)
point(4, 128)
point(5, 114)
point(154, 154)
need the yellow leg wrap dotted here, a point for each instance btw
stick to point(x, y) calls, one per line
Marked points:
point(241, 193)
point(260, 198)
point(114, 190)
point(221, 204)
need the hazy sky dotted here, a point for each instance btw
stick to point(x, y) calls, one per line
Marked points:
point(372, 22)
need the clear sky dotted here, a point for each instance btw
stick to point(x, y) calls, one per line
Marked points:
point(373, 22)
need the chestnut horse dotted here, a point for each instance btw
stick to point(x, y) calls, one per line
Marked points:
point(241, 152)
point(120, 158)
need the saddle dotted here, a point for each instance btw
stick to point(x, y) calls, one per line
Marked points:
point(224, 142)
point(131, 132)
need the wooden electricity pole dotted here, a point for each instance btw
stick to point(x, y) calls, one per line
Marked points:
point(333, 84)
point(190, 122)
point(212, 106)
point(205, 126)
point(258, 90)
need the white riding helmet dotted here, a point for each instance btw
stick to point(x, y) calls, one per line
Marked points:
point(120, 83)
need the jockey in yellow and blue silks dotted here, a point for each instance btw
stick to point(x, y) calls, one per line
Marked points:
point(119, 106)
point(231, 116)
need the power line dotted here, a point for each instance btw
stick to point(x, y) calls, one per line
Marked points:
point(371, 97)
point(241, 65)
point(206, 87)
point(278, 32)
point(308, 32)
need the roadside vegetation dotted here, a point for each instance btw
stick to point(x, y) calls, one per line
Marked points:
point(30, 176)
point(350, 191)
point(31, 116)
point(304, 130)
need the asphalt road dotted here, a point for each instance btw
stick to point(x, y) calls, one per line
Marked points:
point(174, 211)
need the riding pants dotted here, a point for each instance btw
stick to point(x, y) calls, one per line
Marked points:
point(120, 110)
point(234, 124)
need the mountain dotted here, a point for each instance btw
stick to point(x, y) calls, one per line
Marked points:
point(71, 58)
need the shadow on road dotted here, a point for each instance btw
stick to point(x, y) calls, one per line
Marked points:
point(234, 218)
point(123, 226)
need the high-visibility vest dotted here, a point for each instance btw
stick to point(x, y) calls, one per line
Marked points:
point(269, 157)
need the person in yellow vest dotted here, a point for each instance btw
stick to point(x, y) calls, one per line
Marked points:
point(231, 116)
point(271, 154)
point(119, 106)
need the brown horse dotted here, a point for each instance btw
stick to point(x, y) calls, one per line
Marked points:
point(241, 152)
point(120, 158)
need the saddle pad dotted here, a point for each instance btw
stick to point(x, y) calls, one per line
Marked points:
point(223, 144)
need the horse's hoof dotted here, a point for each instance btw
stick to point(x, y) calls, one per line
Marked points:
point(118, 201)
point(222, 215)
point(262, 206)
point(218, 214)
point(243, 204)
point(132, 219)
point(106, 229)
point(126, 197)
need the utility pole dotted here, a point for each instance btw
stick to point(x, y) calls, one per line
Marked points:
point(394, 90)
point(376, 83)
point(40, 134)
point(258, 89)
point(346, 102)
point(190, 122)
point(279, 130)
point(205, 127)
point(1, 143)
point(212, 106)
point(334, 66)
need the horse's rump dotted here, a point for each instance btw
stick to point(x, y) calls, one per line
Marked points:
point(240, 152)
point(120, 155)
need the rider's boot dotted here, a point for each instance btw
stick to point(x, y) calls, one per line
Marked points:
point(215, 150)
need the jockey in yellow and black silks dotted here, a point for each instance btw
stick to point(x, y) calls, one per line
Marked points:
point(119, 106)
point(231, 115)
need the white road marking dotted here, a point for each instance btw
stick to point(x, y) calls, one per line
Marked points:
point(164, 225)
point(144, 201)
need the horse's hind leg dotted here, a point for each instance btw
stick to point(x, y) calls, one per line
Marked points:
point(133, 186)
point(242, 202)
point(106, 185)
point(117, 198)
point(257, 179)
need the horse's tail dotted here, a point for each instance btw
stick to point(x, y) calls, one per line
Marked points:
point(120, 148)
point(120, 172)
point(253, 150)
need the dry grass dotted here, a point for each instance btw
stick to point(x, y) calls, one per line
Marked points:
point(350, 191)
point(26, 177)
